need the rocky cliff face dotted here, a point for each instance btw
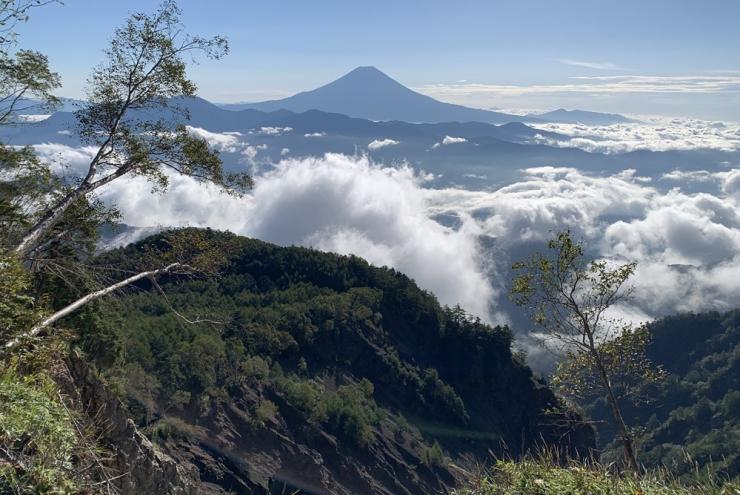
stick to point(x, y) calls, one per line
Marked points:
point(288, 453)
point(135, 465)
point(225, 453)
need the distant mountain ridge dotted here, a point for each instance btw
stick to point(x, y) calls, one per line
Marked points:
point(32, 106)
point(368, 93)
point(490, 155)
point(213, 118)
point(365, 93)
point(564, 116)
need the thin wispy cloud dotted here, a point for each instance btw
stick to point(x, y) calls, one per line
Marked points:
point(590, 65)
point(724, 71)
point(594, 84)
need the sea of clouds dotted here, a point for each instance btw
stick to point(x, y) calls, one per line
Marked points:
point(652, 133)
point(459, 243)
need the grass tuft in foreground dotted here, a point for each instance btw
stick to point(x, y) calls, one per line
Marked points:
point(543, 477)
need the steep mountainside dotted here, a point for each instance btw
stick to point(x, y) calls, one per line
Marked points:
point(313, 371)
point(696, 416)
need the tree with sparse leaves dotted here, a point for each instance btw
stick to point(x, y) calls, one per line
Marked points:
point(50, 222)
point(633, 377)
point(134, 121)
point(569, 297)
point(130, 120)
point(25, 80)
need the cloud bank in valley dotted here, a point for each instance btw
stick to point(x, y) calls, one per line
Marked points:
point(334, 203)
point(687, 245)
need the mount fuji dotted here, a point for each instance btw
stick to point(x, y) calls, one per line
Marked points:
point(368, 93)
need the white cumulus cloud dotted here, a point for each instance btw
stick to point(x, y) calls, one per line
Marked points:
point(273, 131)
point(450, 140)
point(335, 203)
point(453, 140)
point(65, 160)
point(381, 143)
point(32, 118)
point(221, 141)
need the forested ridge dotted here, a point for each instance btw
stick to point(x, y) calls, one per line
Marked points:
point(316, 340)
point(313, 340)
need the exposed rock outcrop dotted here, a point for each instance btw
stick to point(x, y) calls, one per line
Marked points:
point(136, 467)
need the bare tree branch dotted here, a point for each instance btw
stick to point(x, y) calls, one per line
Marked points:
point(177, 313)
point(71, 308)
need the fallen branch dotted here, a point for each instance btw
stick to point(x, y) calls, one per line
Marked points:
point(88, 299)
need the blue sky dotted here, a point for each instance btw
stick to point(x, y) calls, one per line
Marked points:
point(663, 57)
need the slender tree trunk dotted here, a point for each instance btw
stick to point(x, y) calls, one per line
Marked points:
point(85, 300)
point(627, 442)
point(34, 235)
point(51, 217)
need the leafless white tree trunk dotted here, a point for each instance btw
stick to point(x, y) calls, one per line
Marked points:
point(86, 300)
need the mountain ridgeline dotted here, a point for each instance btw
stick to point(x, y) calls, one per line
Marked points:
point(564, 116)
point(314, 371)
